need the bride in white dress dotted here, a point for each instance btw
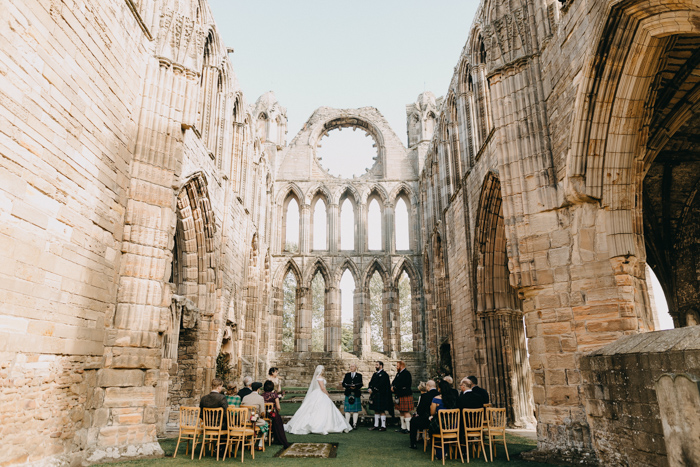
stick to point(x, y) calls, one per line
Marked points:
point(317, 414)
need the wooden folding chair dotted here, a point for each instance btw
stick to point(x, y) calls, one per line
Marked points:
point(449, 433)
point(269, 407)
point(497, 429)
point(189, 428)
point(239, 431)
point(473, 420)
point(212, 419)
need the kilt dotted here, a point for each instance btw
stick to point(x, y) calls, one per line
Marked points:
point(355, 407)
point(405, 404)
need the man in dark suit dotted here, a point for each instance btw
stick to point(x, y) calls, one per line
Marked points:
point(480, 391)
point(214, 400)
point(468, 398)
point(380, 396)
point(401, 387)
point(352, 382)
point(421, 419)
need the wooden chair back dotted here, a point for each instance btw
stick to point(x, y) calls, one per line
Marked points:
point(212, 419)
point(237, 417)
point(449, 421)
point(473, 419)
point(189, 418)
point(496, 418)
point(269, 407)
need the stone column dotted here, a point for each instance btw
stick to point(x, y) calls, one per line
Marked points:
point(390, 302)
point(305, 231)
point(361, 229)
point(333, 230)
point(364, 323)
point(303, 320)
point(389, 238)
point(333, 331)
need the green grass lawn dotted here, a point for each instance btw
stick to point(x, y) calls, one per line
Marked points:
point(358, 448)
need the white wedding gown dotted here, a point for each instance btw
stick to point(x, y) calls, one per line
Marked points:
point(317, 414)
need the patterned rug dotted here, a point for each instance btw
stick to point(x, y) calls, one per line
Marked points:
point(310, 450)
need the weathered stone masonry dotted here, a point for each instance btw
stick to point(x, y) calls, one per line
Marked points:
point(142, 220)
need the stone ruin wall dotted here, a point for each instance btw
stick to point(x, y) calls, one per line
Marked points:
point(108, 150)
point(116, 137)
point(622, 385)
point(301, 176)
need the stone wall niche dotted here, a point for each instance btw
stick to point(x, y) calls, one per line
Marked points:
point(679, 405)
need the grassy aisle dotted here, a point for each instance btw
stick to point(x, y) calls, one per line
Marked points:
point(358, 448)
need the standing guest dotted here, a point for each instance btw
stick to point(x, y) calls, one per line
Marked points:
point(401, 387)
point(380, 396)
point(468, 398)
point(271, 396)
point(256, 400)
point(247, 381)
point(352, 382)
point(421, 419)
point(214, 400)
point(273, 375)
point(479, 390)
point(233, 399)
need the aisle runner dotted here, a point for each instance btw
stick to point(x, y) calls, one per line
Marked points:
point(310, 450)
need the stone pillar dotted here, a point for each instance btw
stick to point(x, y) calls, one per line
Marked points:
point(392, 331)
point(333, 228)
point(361, 229)
point(364, 323)
point(303, 320)
point(305, 233)
point(333, 331)
point(389, 237)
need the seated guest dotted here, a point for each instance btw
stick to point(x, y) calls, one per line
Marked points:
point(446, 400)
point(468, 399)
point(271, 396)
point(421, 419)
point(214, 400)
point(480, 391)
point(256, 400)
point(449, 379)
point(233, 399)
point(247, 381)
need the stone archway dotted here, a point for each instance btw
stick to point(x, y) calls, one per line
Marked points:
point(500, 334)
point(185, 370)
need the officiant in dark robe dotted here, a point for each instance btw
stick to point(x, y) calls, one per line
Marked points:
point(352, 382)
point(380, 397)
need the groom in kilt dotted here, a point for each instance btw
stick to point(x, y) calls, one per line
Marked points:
point(401, 387)
point(353, 395)
point(380, 396)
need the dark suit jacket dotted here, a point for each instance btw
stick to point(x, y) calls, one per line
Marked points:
point(244, 392)
point(214, 400)
point(380, 399)
point(424, 402)
point(348, 381)
point(481, 392)
point(402, 384)
point(470, 400)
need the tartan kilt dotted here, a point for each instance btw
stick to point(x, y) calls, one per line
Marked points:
point(356, 407)
point(405, 404)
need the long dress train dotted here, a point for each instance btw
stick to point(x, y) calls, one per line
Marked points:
point(317, 414)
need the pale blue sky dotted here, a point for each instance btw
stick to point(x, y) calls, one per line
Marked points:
point(314, 53)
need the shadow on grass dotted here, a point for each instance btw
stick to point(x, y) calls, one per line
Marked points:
point(359, 448)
